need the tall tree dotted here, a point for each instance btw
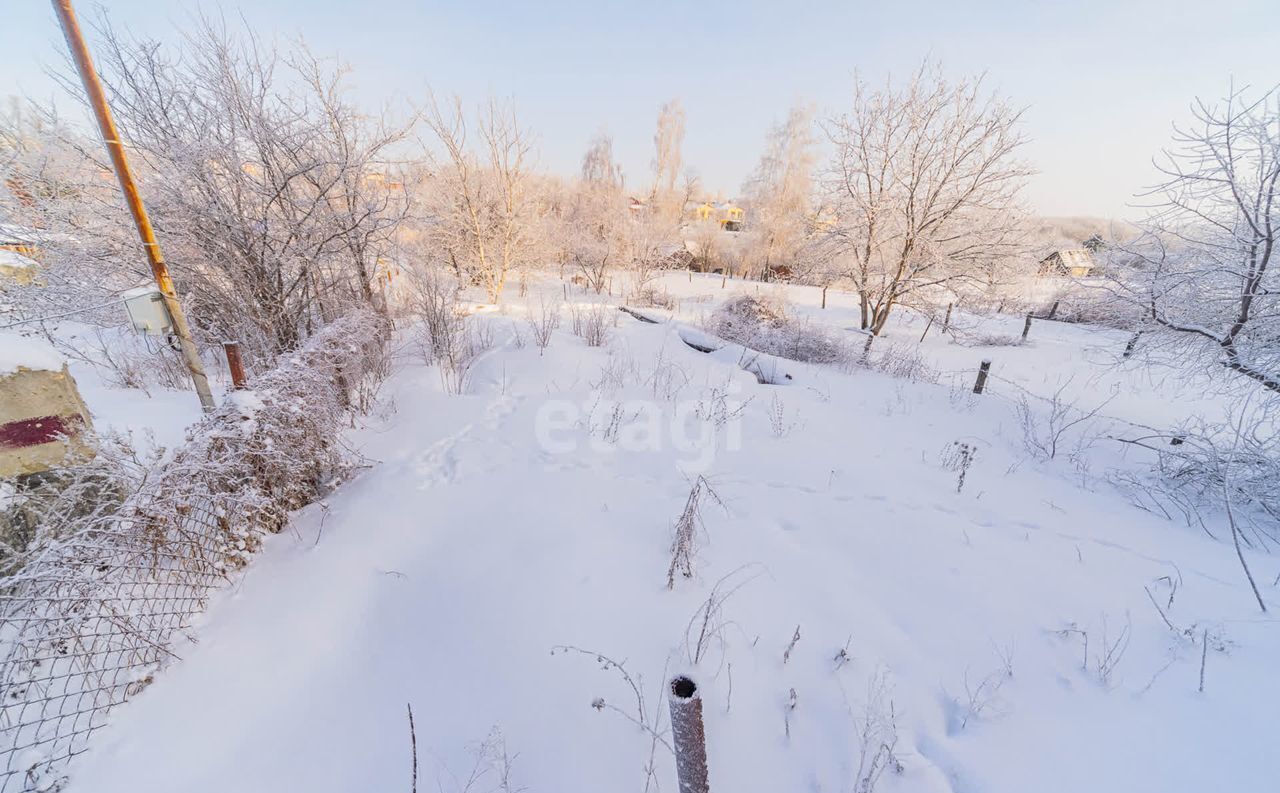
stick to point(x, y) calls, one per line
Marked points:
point(668, 141)
point(482, 207)
point(923, 181)
point(779, 194)
point(596, 227)
point(598, 165)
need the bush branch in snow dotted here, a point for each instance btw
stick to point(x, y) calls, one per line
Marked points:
point(1043, 432)
point(648, 720)
point(876, 731)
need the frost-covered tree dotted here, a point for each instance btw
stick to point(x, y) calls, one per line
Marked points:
point(270, 193)
point(655, 243)
point(923, 184)
point(598, 164)
point(481, 207)
point(1204, 272)
point(779, 195)
point(668, 141)
point(708, 245)
point(597, 226)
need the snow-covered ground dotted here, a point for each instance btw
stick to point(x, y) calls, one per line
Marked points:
point(1005, 633)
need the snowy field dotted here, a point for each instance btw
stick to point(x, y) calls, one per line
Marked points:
point(1023, 629)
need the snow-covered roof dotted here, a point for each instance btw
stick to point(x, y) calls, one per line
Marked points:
point(15, 260)
point(28, 352)
point(1072, 257)
point(12, 233)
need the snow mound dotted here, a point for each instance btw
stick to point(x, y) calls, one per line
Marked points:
point(27, 352)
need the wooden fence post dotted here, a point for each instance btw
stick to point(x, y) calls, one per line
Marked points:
point(981, 382)
point(1133, 342)
point(1027, 327)
point(926, 329)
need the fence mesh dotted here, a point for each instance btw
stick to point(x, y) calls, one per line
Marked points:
point(103, 567)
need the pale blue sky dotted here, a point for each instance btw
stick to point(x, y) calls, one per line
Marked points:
point(1102, 80)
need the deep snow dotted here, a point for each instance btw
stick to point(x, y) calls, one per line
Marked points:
point(498, 525)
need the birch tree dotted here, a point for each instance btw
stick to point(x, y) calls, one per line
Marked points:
point(779, 194)
point(924, 182)
point(668, 142)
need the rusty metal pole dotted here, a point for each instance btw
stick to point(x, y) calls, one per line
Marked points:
point(688, 735)
point(235, 364)
point(981, 382)
point(111, 137)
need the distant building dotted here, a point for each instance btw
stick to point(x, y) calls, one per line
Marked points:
point(16, 268)
point(20, 240)
point(728, 214)
point(1076, 262)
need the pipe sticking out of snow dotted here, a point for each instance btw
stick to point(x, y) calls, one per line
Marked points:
point(689, 737)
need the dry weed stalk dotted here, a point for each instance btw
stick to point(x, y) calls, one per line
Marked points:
point(684, 545)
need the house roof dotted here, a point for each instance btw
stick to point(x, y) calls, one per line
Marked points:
point(1070, 257)
point(15, 260)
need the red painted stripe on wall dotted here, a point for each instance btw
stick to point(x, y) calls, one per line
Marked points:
point(35, 431)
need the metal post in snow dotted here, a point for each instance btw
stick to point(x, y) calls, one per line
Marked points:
point(981, 382)
point(235, 364)
point(688, 735)
point(1027, 327)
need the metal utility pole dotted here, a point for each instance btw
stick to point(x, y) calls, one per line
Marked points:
point(111, 137)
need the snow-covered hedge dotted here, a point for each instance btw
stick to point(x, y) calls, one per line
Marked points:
point(117, 557)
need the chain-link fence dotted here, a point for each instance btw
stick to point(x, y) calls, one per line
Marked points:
point(102, 567)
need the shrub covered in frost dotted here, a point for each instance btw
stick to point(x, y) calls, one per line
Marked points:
point(764, 324)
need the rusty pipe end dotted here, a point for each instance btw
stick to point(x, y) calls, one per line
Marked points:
point(683, 688)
